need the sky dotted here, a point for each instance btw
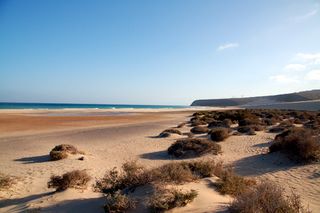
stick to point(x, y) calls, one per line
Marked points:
point(156, 52)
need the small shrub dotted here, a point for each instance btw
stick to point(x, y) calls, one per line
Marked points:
point(61, 151)
point(173, 173)
point(130, 176)
point(233, 184)
point(189, 134)
point(219, 134)
point(181, 172)
point(249, 121)
point(58, 155)
point(193, 147)
point(286, 124)
point(199, 130)
point(172, 131)
point(269, 121)
point(165, 199)
point(299, 143)
point(198, 123)
point(118, 203)
point(205, 169)
point(6, 181)
point(164, 135)
point(75, 179)
point(215, 124)
point(181, 125)
point(277, 129)
point(249, 130)
point(266, 198)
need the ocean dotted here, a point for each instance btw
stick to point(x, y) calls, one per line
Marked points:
point(8, 105)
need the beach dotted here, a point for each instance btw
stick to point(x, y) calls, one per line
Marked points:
point(111, 138)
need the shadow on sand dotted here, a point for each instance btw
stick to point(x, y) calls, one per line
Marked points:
point(77, 205)
point(34, 159)
point(22, 202)
point(263, 163)
point(160, 155)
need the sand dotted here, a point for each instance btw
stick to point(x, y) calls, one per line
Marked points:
point(109, 140)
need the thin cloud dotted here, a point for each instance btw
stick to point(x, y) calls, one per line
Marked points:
point(311, 58)
point(227, 46)
point(307, 15)
point(305, 68)
point(295, 67)
point(313, 75)
point(284, 79)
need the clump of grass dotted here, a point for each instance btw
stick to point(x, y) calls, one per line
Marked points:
point(266, 197)
point(189, 147)
point(286, 124)
point(198, 122)
point(170, 131)
point(6, 181)
point(232, 184)
point(185, 171)
point(199, 130)
point(189, 134)
point(75, 179)
point(173, 173)
point(164, 135)
point(277, 129)
point(181, 124)
point(165, 199)
point(118, 203)
point(219, 134)
point(130, 176)
point(298, 143)
point(61, 151)
point(252, 120)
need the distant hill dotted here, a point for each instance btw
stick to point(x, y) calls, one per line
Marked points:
point(261, 100)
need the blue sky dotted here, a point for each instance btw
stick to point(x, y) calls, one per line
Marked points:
point(156, 52)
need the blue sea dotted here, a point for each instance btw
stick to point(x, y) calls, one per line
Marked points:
point(8, 105)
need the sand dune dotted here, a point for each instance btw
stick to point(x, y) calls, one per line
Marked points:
point(24, 154)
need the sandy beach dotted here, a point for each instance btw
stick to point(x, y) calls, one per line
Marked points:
point(26, 138)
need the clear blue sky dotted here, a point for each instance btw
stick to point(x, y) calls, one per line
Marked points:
point(156, 52)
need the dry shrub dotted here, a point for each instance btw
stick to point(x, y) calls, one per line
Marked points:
point(286, 124)
point(189, 134)
point(189, 147)
point(198, 123)
point(172, 131)
point(249, 121)
point(130, 176)
point(199, 130)
point(266, 197)
point(299, 143)
point(181, 125)
point(217, 123)
point(173, 173)
point(204, 169)
point(269, 121)
point(164, 135)
point(133, 175)
point(185, 171)
point(277, 129)
point(61, 151)
point(118, 203)
point(249, 130)
point(75, 179)
point(219, 134)
point(165, 199)
point(232, 184)
point(6, 181)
